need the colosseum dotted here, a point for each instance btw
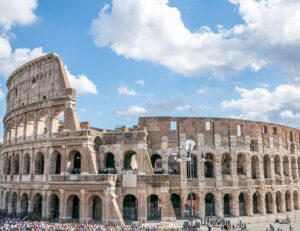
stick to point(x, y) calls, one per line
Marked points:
point(55, 167)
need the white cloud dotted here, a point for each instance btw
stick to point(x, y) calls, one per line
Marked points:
point(82, 84)
point(184, 107)
point(132, 111)
point(14, 12)
point(1, 95)
point(258, 103)
point(288, 114)
point(140, 82)
point(15, 59)
point(125, 91)
point(154, 31)
point(83, 109)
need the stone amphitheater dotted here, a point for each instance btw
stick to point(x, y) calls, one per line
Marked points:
point(55, 167)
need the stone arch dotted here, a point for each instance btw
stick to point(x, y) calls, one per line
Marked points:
point(210, 204)
point(30, 124)
point(153, 207)
point(73, 207)
point(41, 123)
point(286, 167)
point(288, 201)
point(14, 201)
point(292, 149)
point(267, 166)
point(53, 205)
point(37, 206)
point(130, 208)
point(8, 165)
point(242, 204)
point(6, 201)
point(176, 204)
point(241, 164)
point(279, 202)
point(209, 166)
point(296, 200)
point(12, 132)
point(254, 146)
point(254, 167)
point(95, 208)
point(20, 127)
point(39, 164)
point(227, 205)
point(173, 165)
point(74, 162)
point(24, 205)
point(97, 143)
point(192, 199)
point(256, 203)
point(294, 168)
point(55, 163)
point(110, 160)
point(58, 120)
point(26, 164)
point(191, 166)
point(156, 163)
point(130, 160)
point(269, 202)
point(277, 165)
point(16, 166)
point(226, 164)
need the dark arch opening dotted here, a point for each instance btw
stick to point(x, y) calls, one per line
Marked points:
point(209, 166)
point(154, 209)
point(37, 206)
point(110, 161)
point(242, 205)
point(227, 205)
point(24, 205)
point(54, 207)
point(130, 208)
point(39, 164)
point(255, 202)
point(209, 205)
point(130, 160)
point(95, 204)
point(191, 166)
point(176, 203)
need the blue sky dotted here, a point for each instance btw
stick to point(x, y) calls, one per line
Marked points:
point(214, 58)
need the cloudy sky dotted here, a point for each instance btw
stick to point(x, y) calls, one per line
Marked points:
point(130, 58)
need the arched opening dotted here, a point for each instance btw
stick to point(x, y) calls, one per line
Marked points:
point(209, 205)
point(288, 201)
point(55, 163)
point(30, 125)
point(241, 164)
point(192, 203)
point(278, 202)
point(269, 202)
point(176, 203)
point(54, 207)
point(191, 166)
point(227, 205)
point(39, 164)
point(267, 166)
point(37, 206)
point(95, 208)
point(286, 167)
point(8, 166)
point(173, 164)
point(14, 200)
point(156, 162)
point(24, 205)
point(110, 161)
point(256, 203)
point(226, 164)
point(277, 165)
point(97, 143)
point(209, 166)
point(254, 167)
point(16, 165)
point(73, 207)
point(58, 121)
point(130, 208)
point(6, 202)
point(13, 132)
point(74, 162)
point(292, 148)
point(296, 200)
point(130, 160)
point(294, 168)
point(20, 128)
point(41, 125)
point(153, 207)
point(254, 146)
point(242, 205)
point(26, 164)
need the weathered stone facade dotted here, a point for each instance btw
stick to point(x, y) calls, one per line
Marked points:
point(53, 166)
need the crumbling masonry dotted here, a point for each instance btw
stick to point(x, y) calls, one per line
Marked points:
point(55, 167)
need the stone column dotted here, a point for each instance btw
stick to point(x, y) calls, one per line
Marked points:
point(62, 206)
point(249, 203)
point(219, 204)
point(44, 204)
point(83, 206)
point(142, 205)
point(25, 126)
point(235, 204)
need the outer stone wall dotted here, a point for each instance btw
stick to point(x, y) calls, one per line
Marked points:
point(55, 167)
